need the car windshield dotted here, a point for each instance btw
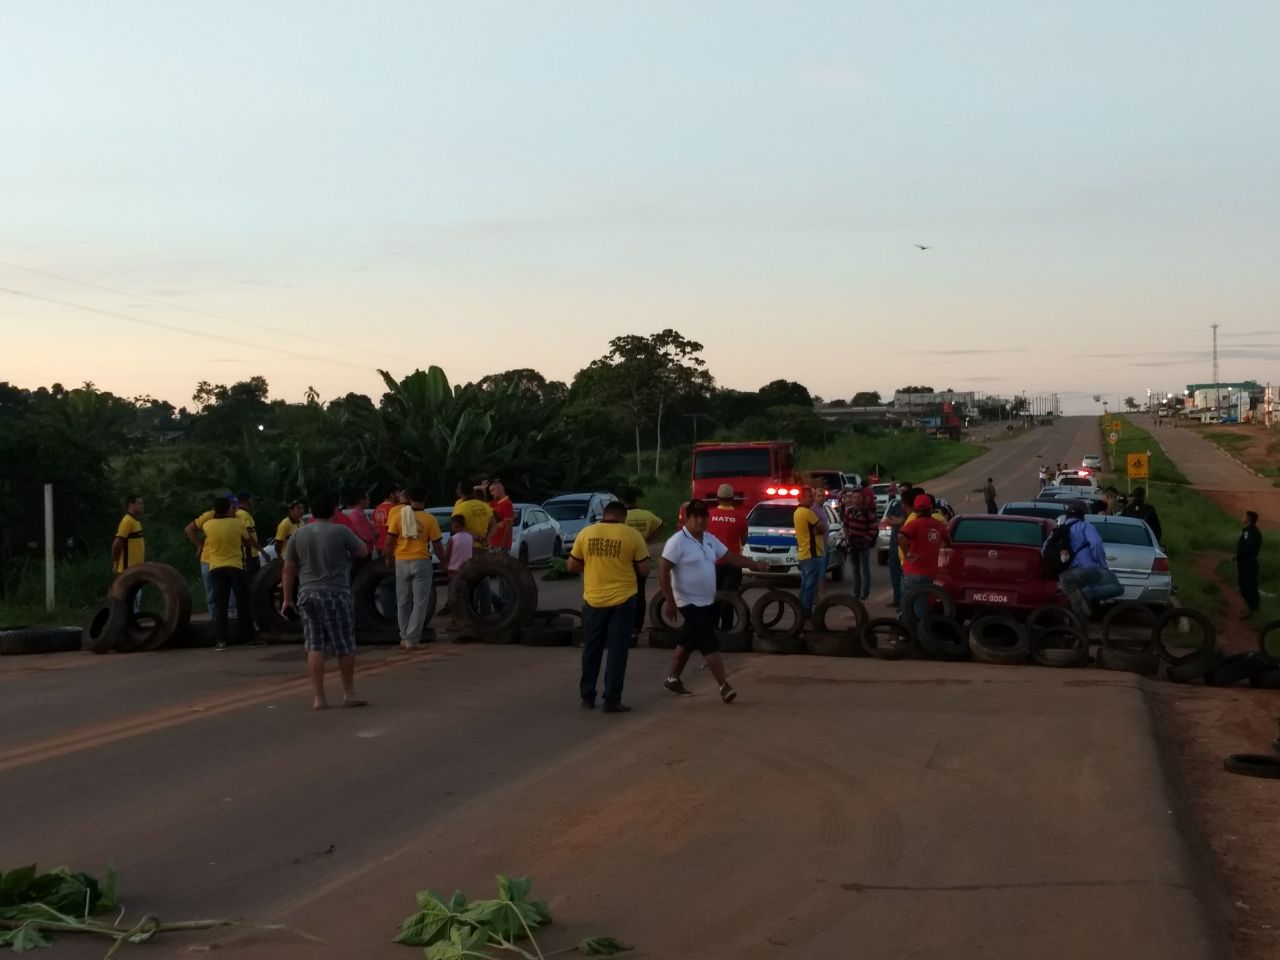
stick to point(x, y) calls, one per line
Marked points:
point(773, 515)
point(1014, 533)
point(1130, 534)
point(567, 509)
point(748, 462)
point(1045, 511)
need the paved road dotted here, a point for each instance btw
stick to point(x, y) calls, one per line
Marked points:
point(1206, 465)
point(840, 808)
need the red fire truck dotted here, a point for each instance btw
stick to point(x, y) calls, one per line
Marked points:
point(757, 471)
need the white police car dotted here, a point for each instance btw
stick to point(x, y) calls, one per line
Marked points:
point(771, 538)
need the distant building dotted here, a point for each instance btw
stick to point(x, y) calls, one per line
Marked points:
point(958, 397)
point(1215, 395)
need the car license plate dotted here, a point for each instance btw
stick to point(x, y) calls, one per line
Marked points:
point(779, 563)
point(989, 596)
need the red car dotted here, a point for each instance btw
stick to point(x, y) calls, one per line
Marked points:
point(994, 561)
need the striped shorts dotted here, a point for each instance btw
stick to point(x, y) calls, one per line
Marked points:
point(328, 622)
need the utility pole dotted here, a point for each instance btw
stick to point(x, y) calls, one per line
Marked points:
point(1217, 394)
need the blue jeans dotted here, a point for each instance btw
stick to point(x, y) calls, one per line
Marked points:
point(811, 572)
point(860, 561)
point(606, 629)
point(209, 597)
point(909, 582)
point(1094, 584)
point(895, 574)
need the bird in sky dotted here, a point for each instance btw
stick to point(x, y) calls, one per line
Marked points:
point(921, 246)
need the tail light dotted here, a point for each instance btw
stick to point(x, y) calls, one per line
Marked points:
point(1160, 565)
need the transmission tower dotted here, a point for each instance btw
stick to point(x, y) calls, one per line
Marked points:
point(1217, 394)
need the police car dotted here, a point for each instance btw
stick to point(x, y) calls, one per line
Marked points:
point(771, 538)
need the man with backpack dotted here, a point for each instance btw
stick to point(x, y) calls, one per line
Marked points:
point(1076, 554)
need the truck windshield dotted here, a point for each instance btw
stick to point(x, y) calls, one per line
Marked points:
point(748, 462)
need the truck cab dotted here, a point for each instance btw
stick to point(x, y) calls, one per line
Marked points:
point(757, 470)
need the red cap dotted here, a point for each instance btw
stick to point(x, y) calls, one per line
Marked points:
point(924, 502)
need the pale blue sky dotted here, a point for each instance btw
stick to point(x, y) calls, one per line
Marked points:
point(492, 185)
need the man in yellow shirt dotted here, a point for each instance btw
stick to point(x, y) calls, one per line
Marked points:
point(611, 557)
point(225, 542)
point(411, 532)
point(253, 552)
point(290, 525)
point(477, 514)
point(128, 549)
point(810, 547)
point(647, 524)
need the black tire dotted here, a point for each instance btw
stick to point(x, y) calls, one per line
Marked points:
point(27, 640)
point(776, 643)
point(1051, 617)
point(987, 648)
point(519, 583)
point(661, 639)
point(199, 634)
point(557, 548)
point(764, 630)
point(1208, 636)
point(1059, 647)
point(829, 603)
point(983, 612)
point(524, 554)
point(1269, 641)
point(923, 593)
point(1128, 661)
point(734, 642)
point(1268, 680)
point(659, 616)
point(741, 615)
point(901, 642)
point(169, 621)
point(266, 594)
point(942, 637)
point(1237, 668)
point(371, 622)
point(1253, 765)
point(105, 626)
point(841, 644)
point(1193, 669)
point(1116, 614)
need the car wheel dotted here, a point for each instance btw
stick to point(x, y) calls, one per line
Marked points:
point(524, 554)
point(836, 568)
point(557, 548)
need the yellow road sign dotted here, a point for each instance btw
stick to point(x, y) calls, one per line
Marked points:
point(1136, 465)
point(1115, 425)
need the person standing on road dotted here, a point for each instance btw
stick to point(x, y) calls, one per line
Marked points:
point(290, 525)
point(611, 558)
point(647, 524)
point(1248, 547)
point(1044, 476)
point(357, 503)
point(687, 578)
point(477, 514)
point(895, 516)
point(253, 552)
point(1138, 507)
point(729, 525)
point(317, 564)
point(1086, 580)
point(226, 540)
point(921, 537)
point(504, 516)
point(988, 491)
point(859, 522)
point(381, 514)
point(810, 547)
point(411, 534)
point(128, 548)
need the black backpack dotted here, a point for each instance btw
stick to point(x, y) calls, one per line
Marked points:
point(1056, 554)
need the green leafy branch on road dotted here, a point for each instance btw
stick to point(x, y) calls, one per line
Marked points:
point(458, 929)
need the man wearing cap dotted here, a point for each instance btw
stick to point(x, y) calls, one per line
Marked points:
point(1086, 579)
point(729, 525)
point(922, 537)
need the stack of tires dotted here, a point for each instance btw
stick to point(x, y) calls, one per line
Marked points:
point(115, 626)
point(666, 625)
point(494, 599)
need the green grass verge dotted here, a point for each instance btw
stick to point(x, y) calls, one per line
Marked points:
point(1234, 442)
point(1193, 524)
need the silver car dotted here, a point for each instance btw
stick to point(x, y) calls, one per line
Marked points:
point(535, 536)
point(1136, 559)
point(576, 511)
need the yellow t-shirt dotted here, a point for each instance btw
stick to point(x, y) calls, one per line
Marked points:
point(642, 520)
point(284, 530)
point(476, 513)
point(135, 551)
point(810, 543)
point(413, 548)
point(609, 552)
point(223, 542)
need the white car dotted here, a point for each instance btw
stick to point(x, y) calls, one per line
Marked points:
point(884, 493)
point(1092, 461)
point(535, 536)
point(1079, 481)
point(771, 538)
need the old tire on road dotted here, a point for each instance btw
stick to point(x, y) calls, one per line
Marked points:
point(172, 618)
point(999, 639)
point(476, 575)
point(105, 626)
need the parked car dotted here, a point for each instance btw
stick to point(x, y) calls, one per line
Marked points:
point(535, 535)
point(883, 531)
point(771, 538)
point(1093, 502)
point(1136, 559)
point(1042, 509)
point(575, 511)
point(1082, 481)
point(1092, 461)
point(830, 484)
point(884, 493)
point(994, 561)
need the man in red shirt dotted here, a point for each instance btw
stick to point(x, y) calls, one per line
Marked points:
point(729, 525)
point(503, 514)
point(921, 538)
point(381, 513)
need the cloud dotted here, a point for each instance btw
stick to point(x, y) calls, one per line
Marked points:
point(967, 353)
point(834, 78)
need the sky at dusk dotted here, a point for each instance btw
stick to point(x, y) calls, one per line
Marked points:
point(310, 191)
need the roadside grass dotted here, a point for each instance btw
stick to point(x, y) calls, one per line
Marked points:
point(1235, 442)
point(1195, 525)
point(901, 456)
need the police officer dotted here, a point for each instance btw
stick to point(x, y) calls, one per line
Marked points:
point(1247, 549)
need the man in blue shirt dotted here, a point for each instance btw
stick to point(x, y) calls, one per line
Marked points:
point(1086, 580)
point(895, 516)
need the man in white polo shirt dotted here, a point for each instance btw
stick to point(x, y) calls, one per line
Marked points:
point(687, 577)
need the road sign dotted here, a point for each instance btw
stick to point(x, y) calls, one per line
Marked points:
point(1136, 465)
point(1115, 425)
point(1113, 438)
